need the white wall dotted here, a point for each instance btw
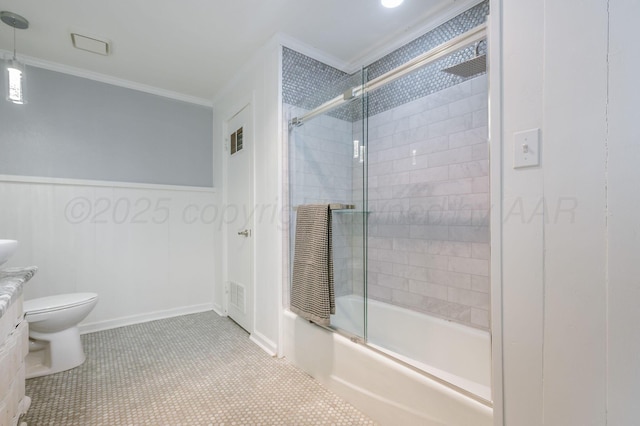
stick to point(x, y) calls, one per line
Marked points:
point(258, 83)
point(143, 250)
point(623, 205)
point(570, 336)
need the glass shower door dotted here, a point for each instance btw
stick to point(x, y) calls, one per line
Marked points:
point(327, 165)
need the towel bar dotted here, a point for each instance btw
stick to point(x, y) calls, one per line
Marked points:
point(336, 206)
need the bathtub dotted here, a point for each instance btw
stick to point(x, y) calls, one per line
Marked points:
point(456, 359)
point(455, 353)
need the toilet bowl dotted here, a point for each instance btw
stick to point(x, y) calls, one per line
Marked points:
point(54, 338)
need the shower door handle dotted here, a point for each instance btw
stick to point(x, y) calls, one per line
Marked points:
point(245, 233)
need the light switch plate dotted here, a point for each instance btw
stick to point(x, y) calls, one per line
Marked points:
point(526, 148)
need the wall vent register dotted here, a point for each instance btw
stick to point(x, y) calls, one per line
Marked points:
point(236, 296)
point(91, 44)
point(236, 141)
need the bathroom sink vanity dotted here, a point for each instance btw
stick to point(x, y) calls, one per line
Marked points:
point(14, 344)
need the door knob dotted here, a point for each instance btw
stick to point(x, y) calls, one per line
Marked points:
point(245, 233)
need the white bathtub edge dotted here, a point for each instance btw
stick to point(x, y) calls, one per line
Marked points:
point(387, 391)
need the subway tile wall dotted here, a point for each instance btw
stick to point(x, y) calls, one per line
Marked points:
point(429, 204)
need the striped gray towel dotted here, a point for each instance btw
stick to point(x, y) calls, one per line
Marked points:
point(312, 293)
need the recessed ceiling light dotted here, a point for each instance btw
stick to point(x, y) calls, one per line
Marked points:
point(391, 3)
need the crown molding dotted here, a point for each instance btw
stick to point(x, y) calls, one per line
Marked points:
point(103, 78)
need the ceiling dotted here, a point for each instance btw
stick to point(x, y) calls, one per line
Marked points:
point(193, 47)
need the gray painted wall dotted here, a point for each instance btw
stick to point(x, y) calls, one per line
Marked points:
point(77, 128)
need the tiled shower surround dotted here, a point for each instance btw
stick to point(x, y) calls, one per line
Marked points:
point(428, 239)
point(427, 186)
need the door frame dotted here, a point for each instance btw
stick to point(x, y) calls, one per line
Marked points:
point(496, 164)
point(238, 107)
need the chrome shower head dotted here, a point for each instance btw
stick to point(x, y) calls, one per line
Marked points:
point(469, 68)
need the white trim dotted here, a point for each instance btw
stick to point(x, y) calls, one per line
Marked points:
point(217, 308)
point(290, 42)
point(101, 183)
point(267, 345)
point(430, 23)
point(141, 318)
point(103, 78)
point(494, 72)
point(281, 202)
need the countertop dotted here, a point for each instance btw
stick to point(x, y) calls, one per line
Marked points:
point(11, 281)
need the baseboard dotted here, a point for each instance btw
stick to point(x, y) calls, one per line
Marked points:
point(266, 344)
point(218, 310)
point(146, 317)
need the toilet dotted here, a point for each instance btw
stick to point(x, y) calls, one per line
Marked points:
point(54, 338)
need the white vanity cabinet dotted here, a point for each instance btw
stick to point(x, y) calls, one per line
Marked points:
point(14, 346)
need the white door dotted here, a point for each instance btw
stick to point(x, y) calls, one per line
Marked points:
point(239, 218)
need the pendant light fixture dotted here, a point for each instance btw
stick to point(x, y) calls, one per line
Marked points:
point(14, 69)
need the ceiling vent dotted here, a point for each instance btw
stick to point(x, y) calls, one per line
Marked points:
point(91, 44)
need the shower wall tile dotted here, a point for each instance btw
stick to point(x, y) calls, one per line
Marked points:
point(429, 201)
point(468, 298)
point(450, 248)
point(469, 169)
point(460, 313)
point(405, 298)
point(481, 284)
point(408, 244)
point(394, 282)
point(479, 152)
point(480, 251)
point(480, 318)
point(469, 202)
point(434, 291)
point(451, 156)
point(480, 184)
point(448, 278)
point(433, 174)
point(379, 292)
point(384, 243)
point(474, 234)
point(469, 266)
point(428, 260)
point(480, 118)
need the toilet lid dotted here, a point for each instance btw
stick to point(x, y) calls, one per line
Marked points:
point(59, 301)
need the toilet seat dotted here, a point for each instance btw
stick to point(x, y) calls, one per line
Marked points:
point(57, 302)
